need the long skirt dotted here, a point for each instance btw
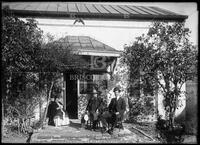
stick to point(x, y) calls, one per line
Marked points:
point(61, 118)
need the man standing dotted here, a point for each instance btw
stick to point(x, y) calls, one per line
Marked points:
point(116, 111)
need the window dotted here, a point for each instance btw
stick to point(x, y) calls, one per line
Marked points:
point(86, 84)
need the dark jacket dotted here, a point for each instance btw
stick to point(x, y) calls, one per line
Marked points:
point(117, 106)
point(94, 103)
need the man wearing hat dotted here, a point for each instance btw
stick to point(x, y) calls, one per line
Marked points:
point(117, 108)
point(93, 107)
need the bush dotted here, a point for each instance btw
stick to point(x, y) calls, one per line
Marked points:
point(167, 135)
point(141, 108)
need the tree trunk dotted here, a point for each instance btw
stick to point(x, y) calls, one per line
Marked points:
point(171, 119)
point(40, 95)
point(173, 106)
point(40, 108)
point(8, 82)
point(49, 95)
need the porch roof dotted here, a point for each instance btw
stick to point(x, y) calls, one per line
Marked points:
point(71, 10)
point(85, 45)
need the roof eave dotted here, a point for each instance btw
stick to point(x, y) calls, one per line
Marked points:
point(65, 15)
point(98, 53)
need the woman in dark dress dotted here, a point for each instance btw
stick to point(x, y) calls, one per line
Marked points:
point(52, 111)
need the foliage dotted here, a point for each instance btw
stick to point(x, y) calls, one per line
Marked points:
point(164, 54)
point(167, 135)
point(29, 66)
point(21, 44)
point(141, 108)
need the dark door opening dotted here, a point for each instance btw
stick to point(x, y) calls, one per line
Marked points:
point(71, 96)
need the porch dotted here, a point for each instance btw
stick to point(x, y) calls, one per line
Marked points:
point(99, 61)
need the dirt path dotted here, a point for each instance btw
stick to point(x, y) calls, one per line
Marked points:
point(75, 134)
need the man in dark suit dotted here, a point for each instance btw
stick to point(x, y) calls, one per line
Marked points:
point(94, 107)
point(116, 111)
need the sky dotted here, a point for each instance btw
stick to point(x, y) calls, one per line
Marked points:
point(120, 36)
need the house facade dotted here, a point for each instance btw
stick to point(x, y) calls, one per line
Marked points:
point(100, 63)
point(101, 58)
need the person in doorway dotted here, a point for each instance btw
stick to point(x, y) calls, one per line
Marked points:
point(93, 108)
point(115, 113)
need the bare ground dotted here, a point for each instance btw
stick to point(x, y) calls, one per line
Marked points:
point(75, 134)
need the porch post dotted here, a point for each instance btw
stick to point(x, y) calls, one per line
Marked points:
point(78, 95)
point(78, 87)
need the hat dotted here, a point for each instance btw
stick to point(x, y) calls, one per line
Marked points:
point(117, 89)
point(95, 91)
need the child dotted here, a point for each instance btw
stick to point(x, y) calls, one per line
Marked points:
point(84, 119)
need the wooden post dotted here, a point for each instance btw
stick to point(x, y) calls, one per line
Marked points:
point(78, 95)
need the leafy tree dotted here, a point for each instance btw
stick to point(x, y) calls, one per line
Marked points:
point(163, 59)
point(30, 67)
point(21, 44)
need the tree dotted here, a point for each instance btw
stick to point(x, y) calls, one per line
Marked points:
point(29, 65)
point(21, 44)
point(163, 59)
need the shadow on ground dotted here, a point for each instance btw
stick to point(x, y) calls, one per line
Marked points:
point(75, 125)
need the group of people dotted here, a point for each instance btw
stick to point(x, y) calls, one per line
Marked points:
point(56, 114)
point(109, 115)
point(97, 109)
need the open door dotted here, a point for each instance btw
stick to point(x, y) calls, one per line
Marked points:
point(71, 97)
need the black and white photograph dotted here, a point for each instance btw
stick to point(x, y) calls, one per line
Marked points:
point(99, 72)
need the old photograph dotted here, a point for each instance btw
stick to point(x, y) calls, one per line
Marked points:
point(99, 72)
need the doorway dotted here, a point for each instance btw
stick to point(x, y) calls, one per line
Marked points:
point(71, 96)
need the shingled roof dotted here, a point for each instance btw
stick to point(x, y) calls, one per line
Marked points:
point(70, 10)
point(86, 45)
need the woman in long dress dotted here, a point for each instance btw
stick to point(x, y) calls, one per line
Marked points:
point(61, 118)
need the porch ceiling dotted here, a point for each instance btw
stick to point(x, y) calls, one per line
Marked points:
point(71, 10)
